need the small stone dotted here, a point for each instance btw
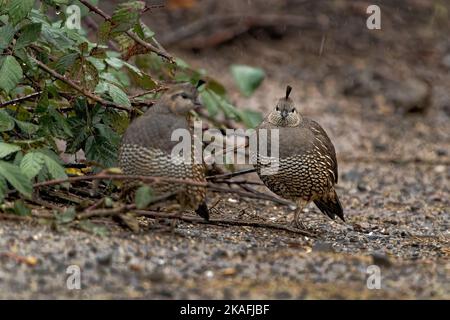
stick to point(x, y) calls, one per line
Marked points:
point(320, 246)
point(104, 259)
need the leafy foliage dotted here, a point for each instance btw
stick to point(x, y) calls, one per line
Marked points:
point(247, 78)
point(53, 72)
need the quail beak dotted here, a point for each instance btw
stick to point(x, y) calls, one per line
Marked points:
point(197, 103)
point(284, 114)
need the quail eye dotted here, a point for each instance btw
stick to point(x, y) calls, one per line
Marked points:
point(278, 109)
point(293, 110)
point(184, 96)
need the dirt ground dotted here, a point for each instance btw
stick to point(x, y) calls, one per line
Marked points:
point(394, 171)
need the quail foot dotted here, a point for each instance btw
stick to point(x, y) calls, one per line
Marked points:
point(146, 148)
point(306, 169)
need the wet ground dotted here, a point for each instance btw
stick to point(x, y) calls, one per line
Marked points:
point(394, 171)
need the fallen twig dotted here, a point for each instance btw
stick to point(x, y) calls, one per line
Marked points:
point(252, 194)
point(256, 224)
point(231, 174)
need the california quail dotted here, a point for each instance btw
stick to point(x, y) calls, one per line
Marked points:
point(146, 147)
point(307, 168)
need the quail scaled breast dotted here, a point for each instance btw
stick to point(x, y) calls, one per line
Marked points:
point(307, 169)
point(146, 148)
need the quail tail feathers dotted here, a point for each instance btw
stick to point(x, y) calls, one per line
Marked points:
point(330, 205)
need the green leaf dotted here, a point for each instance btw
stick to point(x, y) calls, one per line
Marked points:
point(65, 62)
point(19, 9)
point(144, 196)
point(251, 118)
point(55, 169)
point(126, 16)
point(118, 96)
point(10, 74)
point(67, 216)
point(29, 34)
point(104, 32)
point(7, 149)
point(16, 178)
point(32, 164)
point(247, 78)
point(27, 127)
point(21, 209)
point(3, 188)
point(101, 150)
point(7, 34)
point(6, 121)
point(209, 102)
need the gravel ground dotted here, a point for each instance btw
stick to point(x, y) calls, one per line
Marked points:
point(394, 185)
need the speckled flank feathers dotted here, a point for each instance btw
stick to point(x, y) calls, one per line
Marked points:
point(146, 148)
point(307, 165)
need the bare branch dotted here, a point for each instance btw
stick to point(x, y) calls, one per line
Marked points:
point(18, 100)
point(83, 91)
point(159, 51)
point(255, 224)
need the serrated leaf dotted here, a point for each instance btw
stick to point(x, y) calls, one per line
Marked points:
point(29, 34)
point(55, 169)
point(7, 149)
point(10, 74)
point(85, 72)
point(118, 96)
point(7, 34)
point(143, 197)
point(116, 63)
point(27, 127)
point(209, 102)
point(65, 62)
point(6, 121)
point(19, 9)
point(126, 16)
point(16, 178)
point(104, 32)
point(100, 150)
point(32, 164)
point(247, 78)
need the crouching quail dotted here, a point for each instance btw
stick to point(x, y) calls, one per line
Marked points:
point(146, 148)
point(306, 169)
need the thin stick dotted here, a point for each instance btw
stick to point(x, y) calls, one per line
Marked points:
point(252, 194)
point(160, 52)
point(106, 176)
point(267, 225)
point(17, 100)
point(231, 175)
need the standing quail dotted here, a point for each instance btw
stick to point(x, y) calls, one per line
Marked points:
point(146, 148)
point(307, 168)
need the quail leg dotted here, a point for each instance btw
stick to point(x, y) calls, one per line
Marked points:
point(297, 219)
